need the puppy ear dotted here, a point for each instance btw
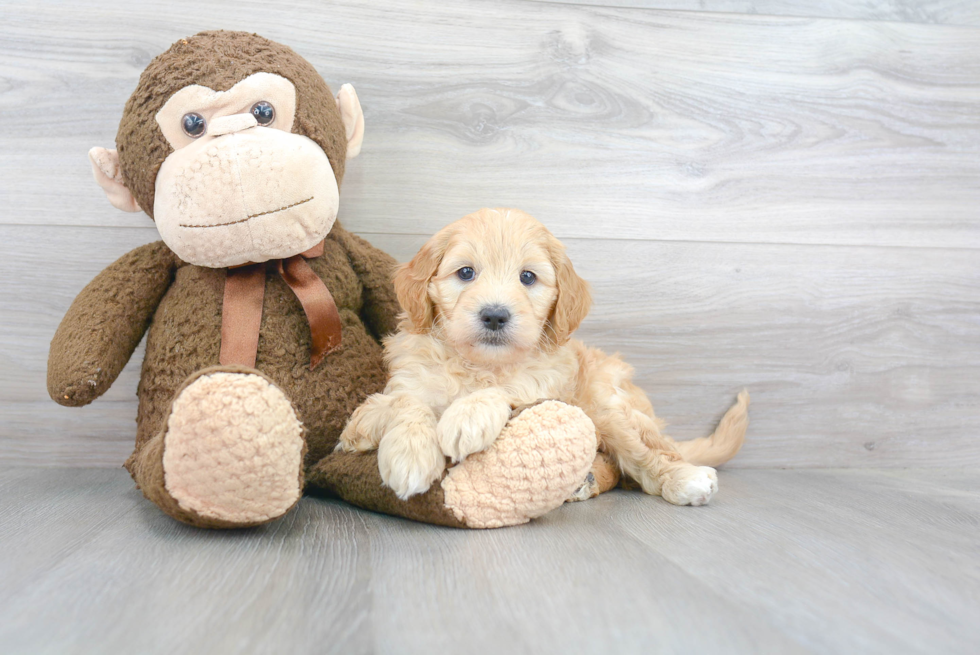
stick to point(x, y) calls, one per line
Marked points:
point(412, 283)
point(574, 297)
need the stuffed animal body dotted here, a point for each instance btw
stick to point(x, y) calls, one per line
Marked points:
point(263, 316)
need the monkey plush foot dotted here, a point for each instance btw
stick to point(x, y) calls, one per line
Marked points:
point(231, 454)
point(541, 457)
point(538, 461)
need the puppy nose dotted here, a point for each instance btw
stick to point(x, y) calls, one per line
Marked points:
point(494, 318)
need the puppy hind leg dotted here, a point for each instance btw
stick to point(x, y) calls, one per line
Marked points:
point(660, 470)
point(634, 436)
point(626, 435)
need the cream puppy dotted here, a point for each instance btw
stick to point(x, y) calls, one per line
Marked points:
point(490, 303)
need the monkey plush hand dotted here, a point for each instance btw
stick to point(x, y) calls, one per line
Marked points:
point(263, 315)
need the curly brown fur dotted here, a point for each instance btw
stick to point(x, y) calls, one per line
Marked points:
point(179, 305)
point(219, 60)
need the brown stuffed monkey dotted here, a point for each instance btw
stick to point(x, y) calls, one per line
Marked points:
point(263, 315)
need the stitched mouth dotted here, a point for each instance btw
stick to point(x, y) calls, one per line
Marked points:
point(251, 216)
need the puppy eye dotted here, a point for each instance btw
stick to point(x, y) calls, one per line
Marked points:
point(465, 274)
point(264, 112)
point(194, 125)
point(528, 278)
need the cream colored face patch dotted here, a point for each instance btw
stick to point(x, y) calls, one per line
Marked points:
point(239, 99)
point(239, 186)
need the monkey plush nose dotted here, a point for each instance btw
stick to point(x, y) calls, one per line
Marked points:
point(494, 318)
point(228, 124)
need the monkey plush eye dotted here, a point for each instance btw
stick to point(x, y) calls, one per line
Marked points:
point(528, 278)
point(264, 112)
point(465, 274)
point(194, 125)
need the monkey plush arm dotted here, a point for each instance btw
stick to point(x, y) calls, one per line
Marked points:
point(105, 323)
point(374, 268)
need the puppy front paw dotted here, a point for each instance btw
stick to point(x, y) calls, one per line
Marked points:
point(690, 485)
point(470, 425)
point(366, 425)
point(410, 460)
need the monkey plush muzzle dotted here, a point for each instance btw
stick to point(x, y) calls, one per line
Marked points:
point(246, 194)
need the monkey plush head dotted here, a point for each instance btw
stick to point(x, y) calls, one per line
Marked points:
point(235, 146)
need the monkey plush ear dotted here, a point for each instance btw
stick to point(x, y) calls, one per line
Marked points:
point(350, 112)
point(105, 167)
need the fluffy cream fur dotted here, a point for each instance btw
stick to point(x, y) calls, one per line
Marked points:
point(454, 381)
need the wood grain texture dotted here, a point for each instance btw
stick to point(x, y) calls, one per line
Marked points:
point(854, 356)
point(80, 503)
point(781, 562)
point(639, 124)
point(872, 539)
point(147, 583)
point(947, 12)
point(784, 204)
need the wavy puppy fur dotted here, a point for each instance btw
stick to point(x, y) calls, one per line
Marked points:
point(490, 304)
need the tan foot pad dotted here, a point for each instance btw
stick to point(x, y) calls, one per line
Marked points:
point(539, 459)
point(233, 449)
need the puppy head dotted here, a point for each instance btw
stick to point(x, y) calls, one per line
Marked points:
point(496, 285)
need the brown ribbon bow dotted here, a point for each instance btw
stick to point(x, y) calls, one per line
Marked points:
point(241, 313)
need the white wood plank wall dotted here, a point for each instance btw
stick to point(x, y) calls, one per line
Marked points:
point(766, 193)
point(947, 12)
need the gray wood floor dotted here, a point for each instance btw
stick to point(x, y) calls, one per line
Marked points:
point(830, 561)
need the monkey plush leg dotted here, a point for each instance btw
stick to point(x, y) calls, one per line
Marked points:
point(540, 458)
point(230, 454)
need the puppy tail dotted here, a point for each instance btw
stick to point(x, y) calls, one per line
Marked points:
point(726, 440)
